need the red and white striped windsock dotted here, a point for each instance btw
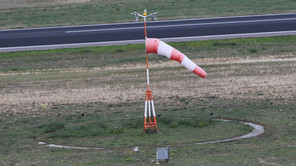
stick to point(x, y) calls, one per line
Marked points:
point(161, 48)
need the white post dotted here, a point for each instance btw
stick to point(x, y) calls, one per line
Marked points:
point(153, 111)
point(147, 76)
point(157, 157)
point(149, 108)
point(145, 114)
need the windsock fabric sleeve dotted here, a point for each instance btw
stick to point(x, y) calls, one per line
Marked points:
point(159, 47)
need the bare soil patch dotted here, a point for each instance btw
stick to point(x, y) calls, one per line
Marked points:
point(240, 79)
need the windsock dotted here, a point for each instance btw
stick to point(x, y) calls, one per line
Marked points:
point(161, 48)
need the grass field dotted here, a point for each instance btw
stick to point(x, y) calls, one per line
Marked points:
point(44, 94)
point(37, 13)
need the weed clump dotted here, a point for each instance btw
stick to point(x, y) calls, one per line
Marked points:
point(52, 127)
point(101, 124)
point(133, 123)
point(195, 122)
point(165, 120)
point(253, 50)
point(172, 122)
point(224, 44)
point(80, 131)
point(128, 160)
point(116, 130)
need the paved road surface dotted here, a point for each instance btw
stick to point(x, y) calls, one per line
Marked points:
point(124, 33)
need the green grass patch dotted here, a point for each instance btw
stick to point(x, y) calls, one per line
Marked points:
point(274, 142)
point(120, 132)
point(89, 128)
point(130, 54)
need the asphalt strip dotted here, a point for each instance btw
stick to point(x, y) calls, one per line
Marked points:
point(257, 130)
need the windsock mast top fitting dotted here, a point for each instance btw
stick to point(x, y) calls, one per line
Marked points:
point(145, 15)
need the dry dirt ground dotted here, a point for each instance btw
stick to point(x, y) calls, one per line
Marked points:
point(270, 78)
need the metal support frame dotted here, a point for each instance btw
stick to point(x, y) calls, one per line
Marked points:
point(152, 125)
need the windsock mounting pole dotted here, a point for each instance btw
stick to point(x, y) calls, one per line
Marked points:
point(149, 104)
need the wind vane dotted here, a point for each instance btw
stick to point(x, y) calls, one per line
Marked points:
point(159, 47)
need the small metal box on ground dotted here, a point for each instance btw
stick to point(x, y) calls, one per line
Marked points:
point(163, 154)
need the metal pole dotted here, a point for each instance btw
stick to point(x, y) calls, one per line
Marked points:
point(147, 63)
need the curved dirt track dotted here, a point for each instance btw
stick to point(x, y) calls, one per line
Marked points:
point(258, 130)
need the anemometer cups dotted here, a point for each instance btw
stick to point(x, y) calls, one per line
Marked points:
point(159, 47)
